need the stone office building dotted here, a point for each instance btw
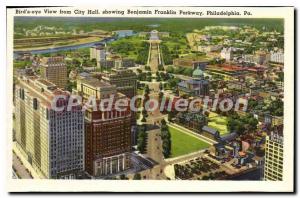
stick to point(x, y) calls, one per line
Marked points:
point(54, 70)
point(51, 141)
point(124, 79)
point(107, 132)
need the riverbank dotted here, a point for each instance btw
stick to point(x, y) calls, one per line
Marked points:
point(64, 48)
point(67, 43)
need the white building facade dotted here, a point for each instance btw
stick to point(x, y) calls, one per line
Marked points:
point(51, 141)
point(273, 170)
point(277, 57)
point(98, 53)
point(227, 54)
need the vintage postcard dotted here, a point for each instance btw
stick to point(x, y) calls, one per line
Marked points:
point(150, 99)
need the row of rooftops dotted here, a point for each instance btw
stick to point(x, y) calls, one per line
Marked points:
point(46, 91)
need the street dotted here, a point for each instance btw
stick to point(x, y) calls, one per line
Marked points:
point(19, 169)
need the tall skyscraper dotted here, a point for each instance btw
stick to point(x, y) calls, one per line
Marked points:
point(54, 70)
point(98, 53)
point(124, 79)
point(51, 141)
point(107, 131)
point(273, 169)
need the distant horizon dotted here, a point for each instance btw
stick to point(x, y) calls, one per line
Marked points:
point(141, 24)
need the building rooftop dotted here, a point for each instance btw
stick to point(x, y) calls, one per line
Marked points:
point(46, 82)
point(197, 73)
point(229, 137)
point(154, 35)
point(51, 60)
point(84, 74)
point(210, 130)
point(94, 82)
point(219, 146)
point(41, 88)
point(99, 46)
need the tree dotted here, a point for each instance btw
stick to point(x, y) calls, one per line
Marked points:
point(143, 119)
point(137, 176)
point(252, 104)
point(147, 90)
point(276, 107)
point(145, 113)
point(139, 71)
point(71, 85)
point(94, 62)
point(160, 86)
point(172, 114)
point(173, 82)
point(123, 177)
point(166, 139)
point(163, 122)
point(280, 77)
point(158, 78)
point(161, 67)
point(142, 76)
point(76, 62)
point(179, 70)
point(166, 147)
point(242, 124)
point(170, 69)
point(164, 76)
point(188, 71)
point(149, 78)
point(142, 137)
point(147, 68)
point(21, 64)
point(157, 73)
point(160, 96)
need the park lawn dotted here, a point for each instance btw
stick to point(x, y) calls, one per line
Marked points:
point(182, 143)
point(136, 46)
point(218, 122)
point(179, 44)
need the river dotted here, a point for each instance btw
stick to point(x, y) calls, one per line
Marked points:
point(65, 48)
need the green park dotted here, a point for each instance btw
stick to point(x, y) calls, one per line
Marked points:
point(183, 143)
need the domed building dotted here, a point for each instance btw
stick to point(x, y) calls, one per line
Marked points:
point(198, 74)
point(197, 86)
